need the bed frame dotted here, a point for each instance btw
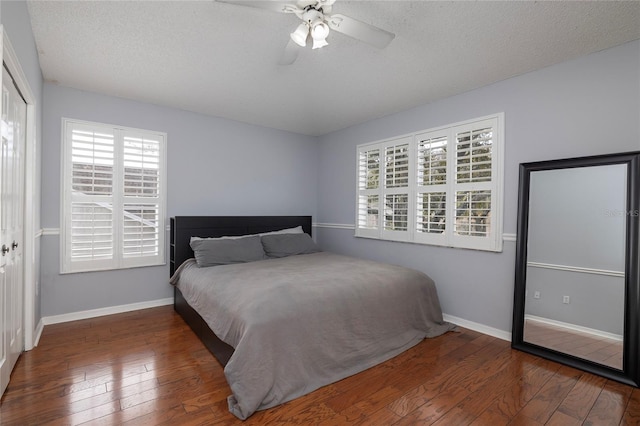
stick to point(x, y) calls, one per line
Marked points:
point(185, 227)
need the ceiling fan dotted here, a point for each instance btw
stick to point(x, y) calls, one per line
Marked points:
point(317, 20)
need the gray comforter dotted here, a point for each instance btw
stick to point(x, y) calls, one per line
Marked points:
point(302, 322)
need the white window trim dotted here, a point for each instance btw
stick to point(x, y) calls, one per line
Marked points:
point(494, 242)
point(118, 262)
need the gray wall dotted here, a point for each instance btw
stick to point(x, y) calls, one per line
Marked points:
point(215, 167)
point(596, 301)
point(577, 217)
point(586, 106)
point(15, 19)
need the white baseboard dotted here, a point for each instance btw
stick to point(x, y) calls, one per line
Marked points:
point(93, 313)
point(480, 328)
point(38, 333)
point(573, 327)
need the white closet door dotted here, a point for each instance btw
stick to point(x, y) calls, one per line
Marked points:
point(12, 147)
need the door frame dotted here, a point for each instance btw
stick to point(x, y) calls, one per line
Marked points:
point(31, 190)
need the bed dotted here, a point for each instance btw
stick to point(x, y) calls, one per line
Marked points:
point(283, 327)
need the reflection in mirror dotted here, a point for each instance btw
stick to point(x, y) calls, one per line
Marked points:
point(575, 266)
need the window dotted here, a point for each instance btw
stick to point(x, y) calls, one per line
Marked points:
point(440, 186)
point(113, 206)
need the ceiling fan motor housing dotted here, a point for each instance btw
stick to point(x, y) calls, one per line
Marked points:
point(312, 16)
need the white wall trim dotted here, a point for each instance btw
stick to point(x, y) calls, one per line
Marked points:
point(31, 206)
point(335, 226)
point(56, 231)
point(574, 327)
point(580, 269)
point(509, 237)
point(10, 58)
point(94, 313)
point(480, 328)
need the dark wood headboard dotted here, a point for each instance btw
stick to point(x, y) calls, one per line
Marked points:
point(185, 227)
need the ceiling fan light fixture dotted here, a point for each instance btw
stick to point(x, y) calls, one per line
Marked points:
point(299, 36)
point(317, 44)
point(319, 33)
point(319, 30)
point(317, 22)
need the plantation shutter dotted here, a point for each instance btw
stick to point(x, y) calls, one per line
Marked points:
point(396, 191)
point(440, 186)
point(474, 187)
point(113, 197)
point(91, 222)
point(431, 187)
point(141, 212)
point(368, 209)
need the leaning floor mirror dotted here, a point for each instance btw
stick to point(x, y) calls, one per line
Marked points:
point(577, 290)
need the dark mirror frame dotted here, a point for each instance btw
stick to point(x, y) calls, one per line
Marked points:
point(630, 373)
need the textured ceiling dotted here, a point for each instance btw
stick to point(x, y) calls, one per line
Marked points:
point(222, 60)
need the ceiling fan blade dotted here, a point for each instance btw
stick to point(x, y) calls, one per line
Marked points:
point(359, 30)
point(274, 6)
point(290, 53)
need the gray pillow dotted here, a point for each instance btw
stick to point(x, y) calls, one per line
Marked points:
point(213, 252)
point(283, 245)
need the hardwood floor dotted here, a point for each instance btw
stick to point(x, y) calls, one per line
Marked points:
point(148, 368)
point(598, 349)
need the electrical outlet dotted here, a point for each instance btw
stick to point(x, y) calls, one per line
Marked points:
point(536, 295)
point(566, 300)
